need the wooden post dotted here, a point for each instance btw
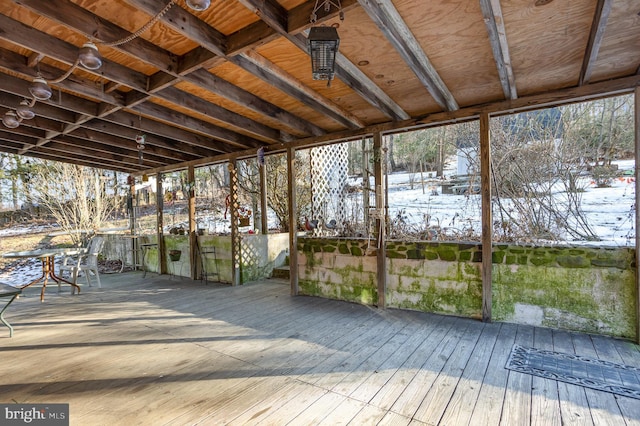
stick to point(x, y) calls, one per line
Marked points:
point(264, 224)
point(162, 261)
point(381, 252)
point(637, 184)
point(193, 238)
point(485, 178)
point(293, 222)
point(235, 235)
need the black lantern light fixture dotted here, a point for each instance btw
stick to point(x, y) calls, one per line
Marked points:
point(323, 47)
point(323, 43)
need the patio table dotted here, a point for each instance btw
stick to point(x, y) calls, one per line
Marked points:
point(10, 292)
point(47, 257)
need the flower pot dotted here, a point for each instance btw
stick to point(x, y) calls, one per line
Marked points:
point(175, 255)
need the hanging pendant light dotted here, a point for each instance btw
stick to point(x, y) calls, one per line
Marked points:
point(323, 48)
point(24, 110)
point(10, 120)
point(89, 56)
point(40, 89)
point(198, 5)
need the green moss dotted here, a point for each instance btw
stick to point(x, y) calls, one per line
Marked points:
point(356, 251)
point(465, 256)
point(343, 249)
point(447, 254)
point(430, 255)
point(415, 254)
point(391, 254)
point(497, 257)
point(573, 261)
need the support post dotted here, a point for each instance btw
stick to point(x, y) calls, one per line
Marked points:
point(235, 235)
point(293, 222)
point(485, 179)
point(637, 185)
point(381, 252)
point(162, 260)
point(193, 239)
point(264, 224)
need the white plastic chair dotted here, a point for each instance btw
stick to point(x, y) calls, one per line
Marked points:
point(86, 261)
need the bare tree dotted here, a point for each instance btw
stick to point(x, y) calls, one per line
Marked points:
point(76, 197)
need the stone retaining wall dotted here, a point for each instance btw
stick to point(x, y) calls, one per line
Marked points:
point(585, 289)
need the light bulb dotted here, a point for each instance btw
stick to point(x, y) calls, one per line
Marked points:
point(198, 5)
point(24, 110)
point(10, 120)
point(89, 56)
point(40, 89)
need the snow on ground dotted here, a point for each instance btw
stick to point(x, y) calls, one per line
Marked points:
point(610, 212)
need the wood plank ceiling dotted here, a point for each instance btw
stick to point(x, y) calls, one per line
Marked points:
point(237, 76)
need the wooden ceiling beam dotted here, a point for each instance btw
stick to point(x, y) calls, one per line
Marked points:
point(200, 32)
point(7, 146)
point(80, 146)
point(261, 67)
point(129, 145)
point(86, 22)
point(166, 145)
point(494, 21)
point(600, 18)
point(100, 30)
point(346, 70)
point(225, 139)
point(188, 99)
point(384, 14)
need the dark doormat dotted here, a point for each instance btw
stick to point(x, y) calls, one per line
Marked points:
point(578, 370)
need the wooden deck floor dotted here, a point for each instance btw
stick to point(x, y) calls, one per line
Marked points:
point(167, 350)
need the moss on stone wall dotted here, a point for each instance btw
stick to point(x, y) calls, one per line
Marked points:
point(587, 289)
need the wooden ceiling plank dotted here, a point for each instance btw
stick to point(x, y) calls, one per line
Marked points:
point(270, 12)
point(79, 145)
point(215, 84)
point(159, 128)
point(187, 24)
point(493, 19)
point(163, 145)
point(358, 81)
point(18, 33)
point(100, 31)
point(271, 73)
point(345, 69)
point(81, 20)
point(600, 18)
point(384, 14)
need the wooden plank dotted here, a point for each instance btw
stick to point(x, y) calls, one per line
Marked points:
point(459, 410)
point(600, 18)
point(603, 406)
point(438, 399)
point(607, 351)
point(435, 360)
point(381, 220)
point(574, 406)
point(389, 21)
point(487, 225)
point(545, 407)
point(487, 408)
point(293, 221)
point(492, 13)
point(637, 199)
point(516, 409)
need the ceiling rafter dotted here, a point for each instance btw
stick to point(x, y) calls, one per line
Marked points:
point(198, 31)
point(92, 25)
point(391, 24)
point(600, 18)
point(493, 19)
point(292, 24)
point(62, 51)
